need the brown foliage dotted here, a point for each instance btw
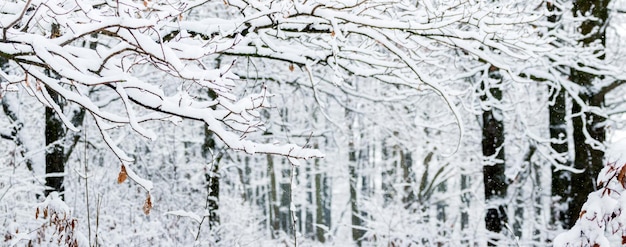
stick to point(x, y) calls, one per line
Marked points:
point(122, 176)
point(147, 205)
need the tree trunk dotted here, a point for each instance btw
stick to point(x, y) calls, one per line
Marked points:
point(406, 161)
point(357, 234)
point(273, 195)
point(322, 202)
point(389, 173)
point(587, 157)
point(212, 178)
point(561, 180)
point(310, 208)
point(212, 156)
point(284, 213)
point(493, 152)
point(54, 132)
point(55, 153)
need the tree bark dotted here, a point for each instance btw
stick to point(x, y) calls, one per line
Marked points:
point(55, 153)
point(587, 157)
point(322, 202)
point(561, 179)
point(273, 195)
point(212, 176)
point(54, 133)
point(357, 224)
point(493, 151)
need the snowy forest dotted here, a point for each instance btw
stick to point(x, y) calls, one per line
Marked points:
point(312, 123)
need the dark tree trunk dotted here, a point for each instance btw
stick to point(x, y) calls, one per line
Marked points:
point(273, 195)
point(322, 202)
point(212, 178)
point(493, 150)
point(55, 153)
point(54, 132)
point(561, 179)
point(406, 161)
point(212, 156)
point(587, 157)
point(389, 173)
point(357, 233)
point(309, 208)
point(284, 213)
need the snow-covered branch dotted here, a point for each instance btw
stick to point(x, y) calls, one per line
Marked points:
point(46, 59)
point(601, 220)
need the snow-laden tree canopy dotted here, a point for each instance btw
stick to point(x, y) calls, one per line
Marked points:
point(146, 56)
point(398, 86)
point(45, 45)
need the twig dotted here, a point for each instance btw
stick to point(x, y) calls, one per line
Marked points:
point(4, 30)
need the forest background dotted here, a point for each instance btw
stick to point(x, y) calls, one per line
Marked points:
point(312, 123)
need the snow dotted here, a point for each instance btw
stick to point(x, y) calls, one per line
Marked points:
point(365, 84)
point(184, 213)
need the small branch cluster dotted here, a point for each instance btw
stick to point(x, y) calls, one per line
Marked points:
point(140, 70)
point(59, 228)
point(601, 221)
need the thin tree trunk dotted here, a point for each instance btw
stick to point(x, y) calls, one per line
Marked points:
point(284, 213)
point(273, 201)
point(357, 233)
point(320, 202)
point(406, 161)
point(390, 153)
point(310, 208)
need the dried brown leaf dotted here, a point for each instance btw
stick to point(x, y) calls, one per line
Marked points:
point(37, 213)
point(147, 205)
point(582, 213)
point(291, 68)
point(122, 176)
point(621, 175)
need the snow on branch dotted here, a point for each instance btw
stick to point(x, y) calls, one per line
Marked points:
point(45, 44)
point(601, 221)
